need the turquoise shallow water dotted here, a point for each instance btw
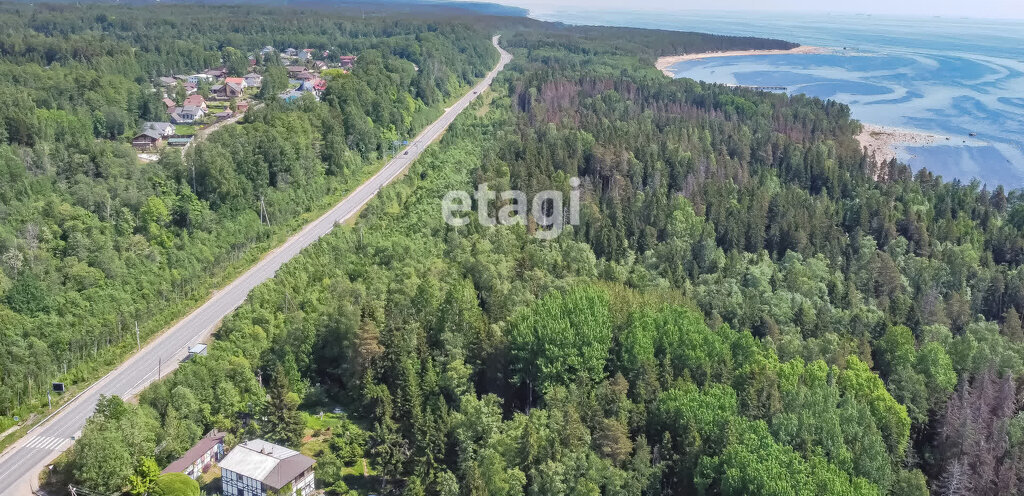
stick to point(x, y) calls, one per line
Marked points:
point(951, 77)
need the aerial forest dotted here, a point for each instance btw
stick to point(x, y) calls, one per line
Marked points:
point(750, 304)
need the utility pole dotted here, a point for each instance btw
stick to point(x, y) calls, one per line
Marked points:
point(138, 344)
point(264, 216)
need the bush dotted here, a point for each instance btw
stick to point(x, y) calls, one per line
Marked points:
point(175, 485)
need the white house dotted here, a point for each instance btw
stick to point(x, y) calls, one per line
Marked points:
point(166, 129)
point(187, 114)
point(257, 467)
point(196, 78)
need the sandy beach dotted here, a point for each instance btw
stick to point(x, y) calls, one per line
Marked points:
point(887, 142)
point(663, 63)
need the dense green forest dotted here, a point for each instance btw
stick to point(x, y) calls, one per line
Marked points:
point(750, 305)
point(92, 240)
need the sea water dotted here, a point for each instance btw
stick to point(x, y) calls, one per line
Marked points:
point(948, 77)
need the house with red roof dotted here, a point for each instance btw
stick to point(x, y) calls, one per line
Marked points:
point(347, 60)
point(195, 101)
point(238, 81)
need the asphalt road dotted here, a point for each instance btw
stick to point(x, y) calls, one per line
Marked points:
point(22, 462)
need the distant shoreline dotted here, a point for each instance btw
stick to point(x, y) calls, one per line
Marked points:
point(885, 142)
point(663, 63)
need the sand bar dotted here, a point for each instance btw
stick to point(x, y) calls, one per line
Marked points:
point(887, 142)
point(663, 63)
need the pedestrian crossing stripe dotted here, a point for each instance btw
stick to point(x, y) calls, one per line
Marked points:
point(47, 443)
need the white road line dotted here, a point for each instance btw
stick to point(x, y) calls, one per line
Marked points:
point(46, 443)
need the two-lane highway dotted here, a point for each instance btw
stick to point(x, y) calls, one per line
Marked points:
point(22, 462)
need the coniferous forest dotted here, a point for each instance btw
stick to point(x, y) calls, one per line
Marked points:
point(749, 304)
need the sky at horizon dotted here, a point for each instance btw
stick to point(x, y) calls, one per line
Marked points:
point(982, 9)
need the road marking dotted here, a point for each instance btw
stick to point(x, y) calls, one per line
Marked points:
point(46, 443)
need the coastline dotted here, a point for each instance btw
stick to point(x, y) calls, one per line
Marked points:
point(663, 63)
point(884, 142)
point(887, 143)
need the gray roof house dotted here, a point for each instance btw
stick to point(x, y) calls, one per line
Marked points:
point(146, 140)
point(164, 128)
point(253, 79)
point(187, 114)
point(257, 467)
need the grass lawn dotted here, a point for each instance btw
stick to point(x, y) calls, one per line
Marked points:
point(209, 482)
point(185, 129)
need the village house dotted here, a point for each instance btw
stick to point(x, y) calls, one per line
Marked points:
point(226, 91)
point(147, 140)
point(253, 80)
point(166, 81)
point(319, 65)
point(315, 86)
point(295, 70)
point(187, 114)
point(169, 104)
point(347, 61)
point(241, 107)
point(216, 73)
point(306, 54)
point(257, 467)
point(305, 76)
point(240, 81)
point(195, 101)
point(267, 49)
point(196, 78)
point(200, 457)
point(291, 52)
point(166, 129)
